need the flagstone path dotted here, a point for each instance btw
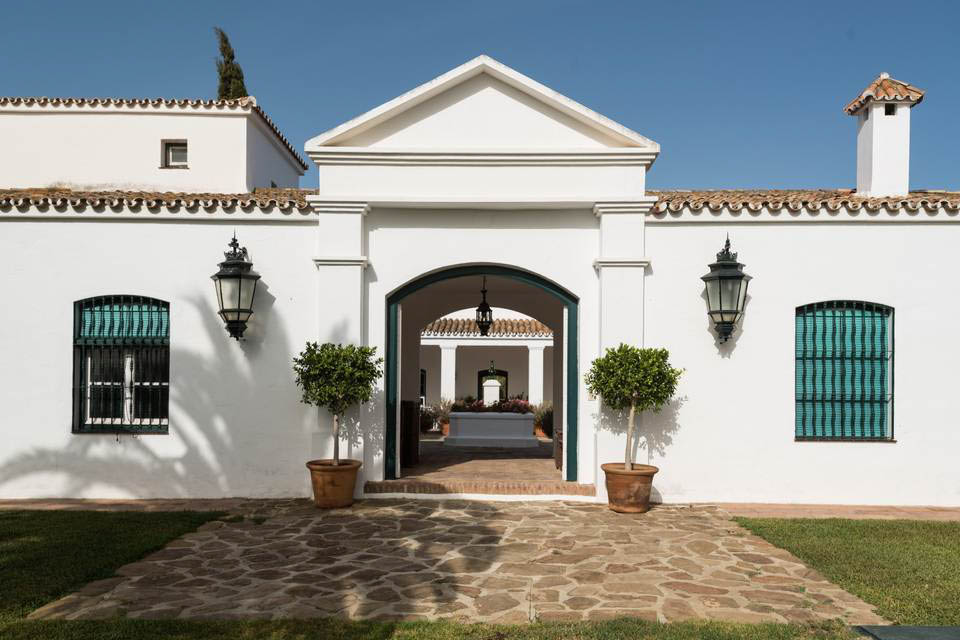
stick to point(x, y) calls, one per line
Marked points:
point(471, 561)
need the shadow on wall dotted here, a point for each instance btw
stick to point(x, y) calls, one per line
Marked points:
point(237, 426)
point(362, 427)
point(654, 432)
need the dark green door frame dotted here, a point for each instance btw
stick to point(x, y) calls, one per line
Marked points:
point(570, 302)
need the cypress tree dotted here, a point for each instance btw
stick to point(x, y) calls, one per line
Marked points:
point(230, 74)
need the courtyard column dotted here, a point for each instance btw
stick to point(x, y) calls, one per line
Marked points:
point(621, 266)
point(340, 263)
point(535, 374)
point(448, 372)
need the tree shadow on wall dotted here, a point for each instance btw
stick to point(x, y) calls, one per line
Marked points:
point(653, 434)
point(235, 418)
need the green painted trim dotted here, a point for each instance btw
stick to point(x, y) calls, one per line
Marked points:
point(573, 385)
point(390, 437)
point(392, 377)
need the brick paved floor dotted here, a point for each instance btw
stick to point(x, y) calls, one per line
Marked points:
point(467, 560)
point(483, 470)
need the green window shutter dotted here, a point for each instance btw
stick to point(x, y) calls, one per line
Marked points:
point(128, 319)
point(844, 371)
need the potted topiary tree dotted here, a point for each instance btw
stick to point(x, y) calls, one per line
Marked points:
point(336, 377)
point(632, 379)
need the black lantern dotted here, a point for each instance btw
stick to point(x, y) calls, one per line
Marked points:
point(236, 284)
point(484, 312)
point(726, 291)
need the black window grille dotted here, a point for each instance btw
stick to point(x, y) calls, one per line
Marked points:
point(844, 371)
point(121, 365)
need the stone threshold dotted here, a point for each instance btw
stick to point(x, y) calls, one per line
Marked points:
point(479, 487)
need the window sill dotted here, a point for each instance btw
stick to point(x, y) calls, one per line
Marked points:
point(150, 430)
point(872, 440)
point(175, 167)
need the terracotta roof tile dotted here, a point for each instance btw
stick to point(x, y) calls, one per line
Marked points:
point(668, 201)
point(514, 327)
point(885, 89)
point(797, 200)
point(248, 102)
point(263, 198)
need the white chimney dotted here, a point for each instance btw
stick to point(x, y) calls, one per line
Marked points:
point(883, 136)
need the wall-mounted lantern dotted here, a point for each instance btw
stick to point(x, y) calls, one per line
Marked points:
point(236, 285)
point(484, 312)
point(726, 291)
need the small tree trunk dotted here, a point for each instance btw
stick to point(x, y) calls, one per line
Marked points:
point(336, 439)
point(628, 457)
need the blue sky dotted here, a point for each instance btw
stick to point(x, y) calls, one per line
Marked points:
point(738, 94)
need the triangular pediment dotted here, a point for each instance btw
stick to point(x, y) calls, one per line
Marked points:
point(482, 105)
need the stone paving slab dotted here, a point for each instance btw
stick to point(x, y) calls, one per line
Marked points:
point(470, 561)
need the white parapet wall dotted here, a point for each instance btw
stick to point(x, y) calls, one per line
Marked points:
point(468, 429)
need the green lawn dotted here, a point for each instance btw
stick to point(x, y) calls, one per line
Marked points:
point(47, 554)
point(342, 630)
point(909, 569)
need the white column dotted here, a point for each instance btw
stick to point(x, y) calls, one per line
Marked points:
point(621, 267)
point(448, 372)
point(340, 266)
point(535, 374)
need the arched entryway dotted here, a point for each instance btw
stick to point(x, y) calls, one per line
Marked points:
point(570, 304)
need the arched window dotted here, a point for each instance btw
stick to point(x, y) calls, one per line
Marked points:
point(499, 375)
point(844, 371)
point(121, 365)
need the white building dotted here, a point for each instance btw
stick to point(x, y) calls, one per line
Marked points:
point(455, 358)
point(481, 172)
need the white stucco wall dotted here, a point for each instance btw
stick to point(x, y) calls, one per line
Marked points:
point(267, 161)
point(236, 425)
point(95, 147)
point(732, 437)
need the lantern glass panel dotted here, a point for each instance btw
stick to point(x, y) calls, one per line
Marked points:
point(713, 295)
point(228, 290)
point(742, 299)
point(247, 288)
point(729, 296)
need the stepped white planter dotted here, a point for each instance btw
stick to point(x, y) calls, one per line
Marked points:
point(491, 430)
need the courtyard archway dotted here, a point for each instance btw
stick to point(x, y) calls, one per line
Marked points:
point(570, 305)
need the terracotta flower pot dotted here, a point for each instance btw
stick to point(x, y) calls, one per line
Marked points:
point(333, 485)
point(629, 491)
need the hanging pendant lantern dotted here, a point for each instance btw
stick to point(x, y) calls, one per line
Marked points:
point(484, 312)
point(236, 285)
point(726, 291)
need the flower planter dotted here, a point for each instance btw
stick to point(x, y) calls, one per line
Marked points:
point(491, 429)
point(333, 485)
point(629, 491)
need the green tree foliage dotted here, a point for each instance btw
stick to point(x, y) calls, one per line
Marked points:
point(636, 379)
point(230, 85)
point(337, 377)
